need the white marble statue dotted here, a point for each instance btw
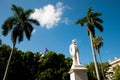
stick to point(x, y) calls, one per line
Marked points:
point(74, 53)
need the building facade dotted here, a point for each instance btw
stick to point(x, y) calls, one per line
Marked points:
point(112, 64)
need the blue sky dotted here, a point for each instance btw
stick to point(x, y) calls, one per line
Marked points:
point(57, 32)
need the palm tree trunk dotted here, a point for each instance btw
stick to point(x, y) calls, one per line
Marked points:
point(5, 74)
point(94, 58)
point(101, 66)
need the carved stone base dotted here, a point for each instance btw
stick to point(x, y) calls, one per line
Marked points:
point(78, 72)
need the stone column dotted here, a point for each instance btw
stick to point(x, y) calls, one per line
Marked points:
point(78, 72)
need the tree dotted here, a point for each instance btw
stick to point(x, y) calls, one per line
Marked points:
point(93, 22)
point(34, 66)
point(23, 66)
point(54, 67)
point(20, 24)
point(116, 74)
point(91, 70)
point(97, 44)
point(4, 51)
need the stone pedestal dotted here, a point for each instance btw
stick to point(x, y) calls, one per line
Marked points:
point(78, 72)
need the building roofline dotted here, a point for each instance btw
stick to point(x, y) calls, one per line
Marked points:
point(116, 60)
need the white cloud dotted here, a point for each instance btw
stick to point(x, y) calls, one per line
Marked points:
point(48, 16)
point(65, 20)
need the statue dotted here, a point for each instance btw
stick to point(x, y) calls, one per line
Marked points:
point(77, 71)
point(74, 52)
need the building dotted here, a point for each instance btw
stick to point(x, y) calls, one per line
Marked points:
point(112, 64)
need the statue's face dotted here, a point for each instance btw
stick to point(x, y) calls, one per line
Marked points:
point(74, 41)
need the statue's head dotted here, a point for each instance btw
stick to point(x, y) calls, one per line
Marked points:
point(74, 41)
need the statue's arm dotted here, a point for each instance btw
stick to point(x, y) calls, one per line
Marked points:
point(77, 48)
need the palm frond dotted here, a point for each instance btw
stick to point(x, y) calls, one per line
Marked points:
point(14, 35)
point(98, 20)
point(99, 26)
point(93, 21)
point(90, 29)
point(96, 14)
point(17, 34)
point(28, 30)
point(20, 24)
point(8, 25)
point(81, 21)
point(20, 35)
point(18, 11)
point(90, 10)
point(28, 12)
point(78, 21)
point(33, 21)
point(97, 42)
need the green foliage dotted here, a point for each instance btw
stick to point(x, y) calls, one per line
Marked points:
point(91, 70)
point(4, 54)
point(19, 23)
point(54, 67)
point(116, 73)
point(97, 43)
point(92, 20)
point(34, 66)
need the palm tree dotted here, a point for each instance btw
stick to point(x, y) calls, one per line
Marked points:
point(93, 22)
point(19, 24)
point(97, 44)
